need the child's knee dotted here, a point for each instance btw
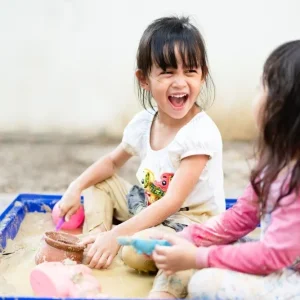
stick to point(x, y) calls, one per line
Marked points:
point(205, 283)
point(104, 185)
point(139, 262)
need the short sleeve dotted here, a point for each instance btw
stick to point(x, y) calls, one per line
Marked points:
point(200, 136)
point(135, 134)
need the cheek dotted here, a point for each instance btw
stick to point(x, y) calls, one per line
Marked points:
point(197, 85)
point(155, 92)
point(157, 88)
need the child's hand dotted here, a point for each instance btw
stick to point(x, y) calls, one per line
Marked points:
point(180, 256)
point(102, 251)
point(70, 202)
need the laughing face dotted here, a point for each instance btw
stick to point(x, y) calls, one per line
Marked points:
point(175, 91)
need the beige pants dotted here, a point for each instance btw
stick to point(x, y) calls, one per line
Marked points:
point(107, 200)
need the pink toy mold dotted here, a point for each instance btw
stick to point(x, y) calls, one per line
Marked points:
point(54, 279)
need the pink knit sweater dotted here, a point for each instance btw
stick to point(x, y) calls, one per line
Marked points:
point(279, 245)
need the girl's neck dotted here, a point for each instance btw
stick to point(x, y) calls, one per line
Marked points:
point(165, 120)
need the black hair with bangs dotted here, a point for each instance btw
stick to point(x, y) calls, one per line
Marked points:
point(157, 46)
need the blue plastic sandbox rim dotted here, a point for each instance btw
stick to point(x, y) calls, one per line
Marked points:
point(12, 217)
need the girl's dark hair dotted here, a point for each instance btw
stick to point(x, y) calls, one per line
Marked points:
point(157, 46)
point(279, 140)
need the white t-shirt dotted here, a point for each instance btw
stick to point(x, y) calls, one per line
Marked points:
point(199, 136)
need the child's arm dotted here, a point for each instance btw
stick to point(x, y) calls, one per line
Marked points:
point(180, 187)
point(228, 227)
point(102, 169)
point(279, 248)
point(105, 246)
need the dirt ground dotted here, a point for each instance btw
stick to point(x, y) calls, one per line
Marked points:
point(47, 165)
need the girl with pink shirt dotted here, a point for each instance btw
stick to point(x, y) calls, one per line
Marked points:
point(248, 269)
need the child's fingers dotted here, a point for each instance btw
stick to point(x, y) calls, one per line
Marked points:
point(87, 240)
point(159, 258)
point(63, 209)
point(161, 265)
point(161, 250)
point(90, 255)
point(102, 260)
point(71, 212)
point(172, 238)
point(109, 261)
point(95, 259)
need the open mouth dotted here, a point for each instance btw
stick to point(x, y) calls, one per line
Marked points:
point(178, 100)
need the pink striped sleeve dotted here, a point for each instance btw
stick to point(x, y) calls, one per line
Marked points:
point(228, 227)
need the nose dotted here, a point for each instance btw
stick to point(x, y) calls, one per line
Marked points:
point(179, 81)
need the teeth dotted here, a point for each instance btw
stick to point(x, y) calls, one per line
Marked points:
point(178, 96)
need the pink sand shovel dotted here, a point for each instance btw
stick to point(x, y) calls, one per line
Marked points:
point(60, 223)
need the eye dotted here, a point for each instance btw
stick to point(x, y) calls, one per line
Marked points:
point(164, 182)
point(192, 71)
point(165, 72)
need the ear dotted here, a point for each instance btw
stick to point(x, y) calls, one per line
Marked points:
point(143, 80)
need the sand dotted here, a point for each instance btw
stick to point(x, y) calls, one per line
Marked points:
point(15, 268)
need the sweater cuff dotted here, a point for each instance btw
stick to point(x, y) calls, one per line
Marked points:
point(185, 233)
point(202, 257)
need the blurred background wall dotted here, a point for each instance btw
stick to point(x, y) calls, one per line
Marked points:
point(67, 67)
